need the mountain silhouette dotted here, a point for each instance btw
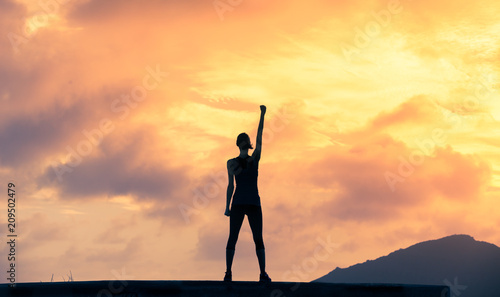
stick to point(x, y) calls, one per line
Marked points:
point(470, 268)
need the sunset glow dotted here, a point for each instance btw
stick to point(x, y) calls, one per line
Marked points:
point(118, 117)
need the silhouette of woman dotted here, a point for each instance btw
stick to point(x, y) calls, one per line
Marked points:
point(246, 199)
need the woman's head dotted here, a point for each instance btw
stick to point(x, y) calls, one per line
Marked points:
point(243, 141)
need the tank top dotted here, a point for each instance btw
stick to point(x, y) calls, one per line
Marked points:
point(246, 182)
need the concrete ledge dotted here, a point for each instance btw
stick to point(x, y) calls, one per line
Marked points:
point(219, 289)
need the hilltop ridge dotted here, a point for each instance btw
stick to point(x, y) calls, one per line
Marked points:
point(466, 265)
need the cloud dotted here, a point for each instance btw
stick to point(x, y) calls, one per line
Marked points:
point(212, 241)
point(116, 256)
point(355, 178)
point(11, 19)
point(28, 139)
point(457, 176)
point(116, 231)
point(125, 164)
point(416, 111)
point(381, 179)
point(97, 12)
point(39, 232)
point(323, 169)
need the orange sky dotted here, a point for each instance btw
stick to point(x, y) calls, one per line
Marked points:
point(118, 117)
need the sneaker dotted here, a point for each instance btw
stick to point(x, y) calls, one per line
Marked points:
point(265, 278)
point(228, 277)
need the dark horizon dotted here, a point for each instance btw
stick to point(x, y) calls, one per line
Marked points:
point(117, 120)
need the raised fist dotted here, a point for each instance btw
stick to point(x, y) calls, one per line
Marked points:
point(263, 108)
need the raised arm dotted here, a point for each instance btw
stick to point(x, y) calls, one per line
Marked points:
point(258, 143)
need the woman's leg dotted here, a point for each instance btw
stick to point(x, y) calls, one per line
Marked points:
point(254, 214)
point(235, 222)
